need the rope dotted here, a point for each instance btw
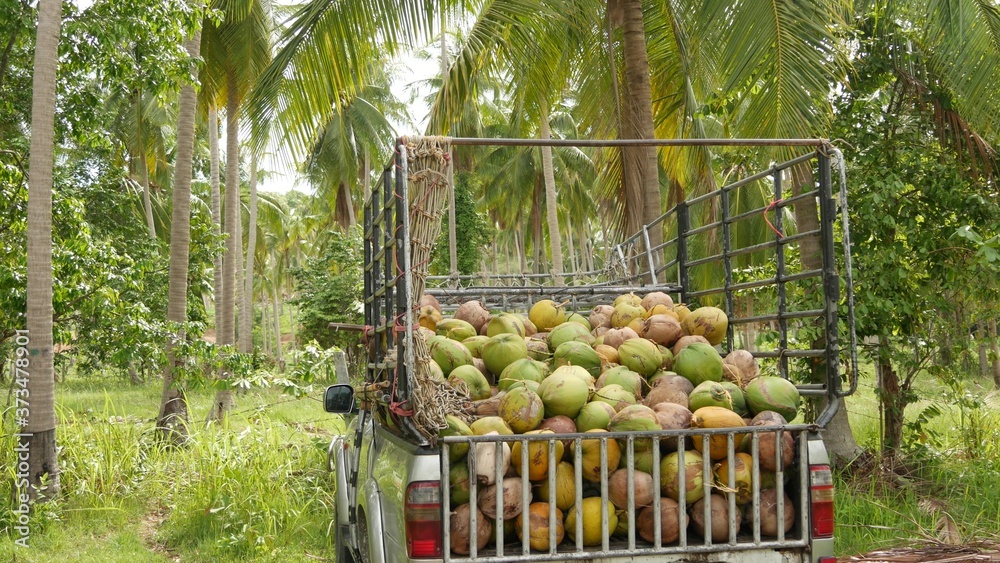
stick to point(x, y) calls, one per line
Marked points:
point(773, 206)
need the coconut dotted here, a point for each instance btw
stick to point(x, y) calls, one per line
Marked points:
point(529, 327)
point(547, 314)
point(578, 319)
point(606, 352)
point(595, 414)
point(656, 298)
point(560, 425)
point(669, 522)
point(524, 369)
point(641, 356)
point(521, 409)
point(428, 300)
point(564, 392)
point(455, 329)
point(591, 509)
point(565, 486)
point(681, 310)
point(512, 499)
point(699, 362)
point(428, 317)
point(538, 526)
point(483, 330)
point(736, 394)
point(638, 325)
point(670, 476)
point(525, 384)
point(505, 323)
point(635, 418)
point(479, 388)
point(475, 345)
point(661, 394)
point(710, 322)
point(710, 394)
point(567, 332)
point(720, 518)
point(578, 354)
point(628, 298)
point(776, 394)
point(538, 456)
point(616, 396)
point(474, 313)
point(601, 316)
point(661, 310)
point(768, 441)
point(503, 350)
point(436, 372)
point(668, 358)
point(458, 478)
point(617, 336)
point(732, 374)
point(486, 461)
point(746, 363)
point(538, 349)
point(717, 417)
point(618, 488)
point(456, 427)
point(481, 366)
point(625, 313)
point(671, 416)
point(590, 458)
point(671, 379)
point(461, 529)
point(625, 377)
point(769, 512)
point(742, 477)
point(490, 425)
point(685, 341)
point(662, 329)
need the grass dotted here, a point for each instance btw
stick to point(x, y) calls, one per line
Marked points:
point(255, 490)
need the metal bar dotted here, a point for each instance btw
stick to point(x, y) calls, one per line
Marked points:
point(498, 471)
point(731, 485)
point(649, 256)
point(728, 267)
point(704, 228)
point(657, 516)
point(525, 500)
point(789, 315)
point(765, 173)
point(803, 483)
point(578, 493)
point(552, 500)
point(755, 485)
point(706, 484)
point(811, 353)
point(780, 251)
point(596, 290)
point(705, 260)
point(683, 225)
point(831, 289)
point(498, 142)
point(630, 482)
point(597, 554)
point(682, 516)
point(779, 479)
point(637, 434)
point(473, 503)
point(446, 499)
point(605, 533)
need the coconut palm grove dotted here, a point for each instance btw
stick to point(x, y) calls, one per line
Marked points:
point(673, 222)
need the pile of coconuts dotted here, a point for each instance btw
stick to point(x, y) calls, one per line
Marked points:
point(640, 363)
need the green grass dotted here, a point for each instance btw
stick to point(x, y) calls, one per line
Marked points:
point(256, 490)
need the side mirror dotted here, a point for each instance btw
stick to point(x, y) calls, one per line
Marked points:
point(339, 399)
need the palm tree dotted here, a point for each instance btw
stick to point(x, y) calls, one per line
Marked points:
point(213, 151)
point(246, 335)
point(173, 416)
point(43, 459)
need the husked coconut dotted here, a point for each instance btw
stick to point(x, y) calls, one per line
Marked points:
point(474, 313)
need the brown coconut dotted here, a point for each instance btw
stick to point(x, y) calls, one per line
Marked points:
point(607, 352)
point(744, 360)
point(461, 528)
point(538, 526)
point(511, 499)
point(684, 341)
point(560, 425)
point(666, 394)
point(615, 336)
point(429, 300)
point(662, 329)
point(669, 522)
point(618, 488)
point(482, 329)
point(769, 512)
point(656, 298)
point(732, 374)
point(601, 316)
point(768, 441)
point(720, 518)
point(679, 382)
point(474, 313)
point(672, 416)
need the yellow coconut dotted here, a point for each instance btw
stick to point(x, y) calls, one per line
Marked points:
point(538, 455)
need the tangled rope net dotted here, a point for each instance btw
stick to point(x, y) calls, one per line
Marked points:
point(432, 398)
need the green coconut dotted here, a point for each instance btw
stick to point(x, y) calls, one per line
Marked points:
point(739, 399)
point(479, 388)
point(567, 332)
point(538, 349)
point(546, 314)
point(449, 355)
point(670, 469)
point(436, 372)
point(576, 353)
point(595, 414)
point(635, 418)
point(710, 322)
point(475, 345)
point(505, 323)
point(616, 396)
point(456, 427)
point(641, 356)
point(521, 409)
point(767, 393)
point(579, 319)
point(565, 392)
point(455, 329)
point(668, 358)
point(503, 350)
point(458, 476)
point(525, 383)
point(709, 394)
point(630, 298)
point(625, 377)
point(625, 313)
point(524, 369)
point(484, 425)
point(699, 362)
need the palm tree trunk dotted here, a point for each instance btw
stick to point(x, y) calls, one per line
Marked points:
point(40, 424)
point(522, 258)
point(640, 161)
point(246, 314)
point(551, 209)
point(226, 335)
point(995, 346)
point(213, 149)
point(264, 332)
point(147, 203)
point(538, 237)
point(984, 360)
point(277, 330)
point(173, 416)
point(574, 264)
point(344, 207)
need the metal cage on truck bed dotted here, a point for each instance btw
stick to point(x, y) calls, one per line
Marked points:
point(765, 249)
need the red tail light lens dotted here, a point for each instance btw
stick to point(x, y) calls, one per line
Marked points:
point(821, 485)
point(424, 535)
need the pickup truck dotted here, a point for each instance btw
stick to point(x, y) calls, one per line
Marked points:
point(392, 481)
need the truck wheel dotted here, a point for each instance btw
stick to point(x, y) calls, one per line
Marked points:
point(364, 547)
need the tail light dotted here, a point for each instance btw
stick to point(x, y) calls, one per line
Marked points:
point(821, 485)
point(422, 512)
